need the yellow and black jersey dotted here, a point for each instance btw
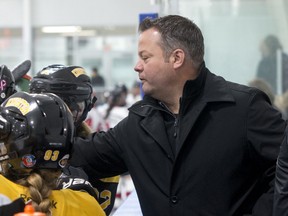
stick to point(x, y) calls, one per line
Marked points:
point(64, 202)
point(106, 189)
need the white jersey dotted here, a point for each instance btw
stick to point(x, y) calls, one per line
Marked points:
point(96, 121)
point(116, 115)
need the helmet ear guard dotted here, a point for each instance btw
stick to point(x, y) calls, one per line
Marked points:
point(42, 131)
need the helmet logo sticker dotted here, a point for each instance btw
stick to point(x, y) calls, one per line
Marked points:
point(45, 72)
point(28, 160)
point(20, 104)
point(78, 71)
point(3, 84)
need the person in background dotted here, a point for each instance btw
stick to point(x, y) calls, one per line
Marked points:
point(95, 117)
point(96, 79)
point(117, 106)
point(95, 120)
point(73, 86)
point(196, 144)
point(283, 104)
point(263, 86)
point(278, 101)
point(36, 142)
point(267, 67)
point(134, 94)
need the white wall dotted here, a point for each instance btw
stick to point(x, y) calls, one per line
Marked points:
point(11, 13)
point(75, 12)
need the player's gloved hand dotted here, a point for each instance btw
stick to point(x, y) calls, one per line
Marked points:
point(75, 179)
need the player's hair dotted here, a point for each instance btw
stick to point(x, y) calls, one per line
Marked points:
point(40, 184)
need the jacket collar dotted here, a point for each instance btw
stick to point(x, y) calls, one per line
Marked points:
point(212, 88)
point(207, 87)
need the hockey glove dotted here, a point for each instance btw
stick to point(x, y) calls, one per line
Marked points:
point(75, 179)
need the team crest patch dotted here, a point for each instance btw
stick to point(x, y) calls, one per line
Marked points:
point(28, 161)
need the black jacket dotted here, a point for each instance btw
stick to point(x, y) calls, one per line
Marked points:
point(228, 138)
point(281, 182)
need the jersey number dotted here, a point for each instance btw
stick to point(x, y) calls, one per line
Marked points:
point(106, 195)
point(51, 155)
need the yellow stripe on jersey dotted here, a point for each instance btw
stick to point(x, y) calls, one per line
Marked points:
point(114, 179)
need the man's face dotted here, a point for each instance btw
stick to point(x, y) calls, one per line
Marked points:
point(155, 73)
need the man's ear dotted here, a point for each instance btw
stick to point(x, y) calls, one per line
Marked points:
point(178, 58)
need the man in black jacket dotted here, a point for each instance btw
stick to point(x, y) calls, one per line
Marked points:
point(196, 144)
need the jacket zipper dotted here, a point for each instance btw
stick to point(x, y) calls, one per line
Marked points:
point(176, 119)
point(166, 109)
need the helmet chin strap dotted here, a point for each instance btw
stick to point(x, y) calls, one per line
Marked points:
point(3, 158)
point(91, 105)
point(3, 149)
point(3, 167)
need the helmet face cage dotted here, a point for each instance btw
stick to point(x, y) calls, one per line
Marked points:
point(70, 83)
point(7, 83)
point(42, 131)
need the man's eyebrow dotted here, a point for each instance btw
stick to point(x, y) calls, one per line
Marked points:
point(140, 53)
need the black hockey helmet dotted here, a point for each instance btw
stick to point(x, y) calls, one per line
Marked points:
point(71, 83)
point(41, 132)
point(7, 83)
